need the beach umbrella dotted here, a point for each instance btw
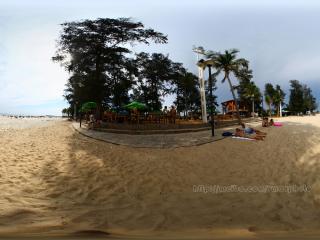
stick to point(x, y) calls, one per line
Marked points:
point(136, 105)
point(88, 106)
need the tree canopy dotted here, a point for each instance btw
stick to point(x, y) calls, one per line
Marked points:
point(301, 98)
point(96, 54)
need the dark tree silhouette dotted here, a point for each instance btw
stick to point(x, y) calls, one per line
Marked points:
point(156, 74)
point(95, 52)
point(187, 92)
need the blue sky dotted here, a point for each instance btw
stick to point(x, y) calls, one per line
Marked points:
point(279, 38)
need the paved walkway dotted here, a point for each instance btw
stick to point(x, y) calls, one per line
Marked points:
point(154, 140)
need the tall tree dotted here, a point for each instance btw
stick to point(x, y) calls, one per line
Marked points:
point(156, 73)
point(252, 92)
point(269, 92)
point(95, 53)
point(309, 101)
point(229, 64)
point(278, 98)
point(301, 98)
point(187, 92)
point(211, 101)
point(296, 100)
point(245, 78)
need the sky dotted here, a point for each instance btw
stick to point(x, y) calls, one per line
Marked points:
point(279, 38)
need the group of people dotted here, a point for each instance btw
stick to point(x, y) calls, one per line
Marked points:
point(250, 133)
point(170, 114)
point(89, 119)
point(267, 123)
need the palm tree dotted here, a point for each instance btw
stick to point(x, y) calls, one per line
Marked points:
point(269, 94)
point(251, 91)
point(228, 63)
point(268, 100)
point(278, 98)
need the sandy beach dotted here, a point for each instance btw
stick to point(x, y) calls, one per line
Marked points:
point(55, 182)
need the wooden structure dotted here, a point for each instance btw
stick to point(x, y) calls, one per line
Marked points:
point(229, 108)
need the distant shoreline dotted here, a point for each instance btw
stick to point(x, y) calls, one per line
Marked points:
point(28, 116)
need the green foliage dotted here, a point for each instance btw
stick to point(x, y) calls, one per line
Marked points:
point(211, 101)
point(310, 102)
point(296, 100)
point(95, 53)
point(66, 112)
point(268, 96)
point(228, 63)
point(187, 91)
point(251, 93)
point(156, 74)
point(274, 96)
point(301, 99)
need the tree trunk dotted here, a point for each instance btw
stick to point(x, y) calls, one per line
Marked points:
point(185, 103)
point(235, 100)
point(269, 109)
point(278, 110)
point(252, 106)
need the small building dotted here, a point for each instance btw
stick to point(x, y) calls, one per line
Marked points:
point(229, 107)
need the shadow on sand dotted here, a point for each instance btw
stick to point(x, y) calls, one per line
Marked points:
point(105, 188)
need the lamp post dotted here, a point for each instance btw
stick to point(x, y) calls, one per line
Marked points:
point(75, 111)
point(201, 68)
point(211, 100)
point(253, 112)
point(203, 64)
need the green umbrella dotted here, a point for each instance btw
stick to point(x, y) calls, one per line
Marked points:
point(88, 106)
point(136, 105)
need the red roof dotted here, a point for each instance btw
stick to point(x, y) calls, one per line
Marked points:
point(226, 102)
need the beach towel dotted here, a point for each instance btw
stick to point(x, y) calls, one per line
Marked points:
point(277, 124)
point(244, 138)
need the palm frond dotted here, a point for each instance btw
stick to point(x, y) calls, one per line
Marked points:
point(233, 51)
point(217, 73)
point(242, 62)
point(211, 54)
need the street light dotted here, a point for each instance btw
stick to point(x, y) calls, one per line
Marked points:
point(253, 110)
point(199, 51)
point(75, 111)
point(203, 64)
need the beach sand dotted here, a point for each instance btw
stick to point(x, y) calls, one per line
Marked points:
point(55, 182)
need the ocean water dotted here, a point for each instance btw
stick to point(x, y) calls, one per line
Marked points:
point(16, 122)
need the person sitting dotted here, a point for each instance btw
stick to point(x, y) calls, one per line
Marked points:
point(271, 123)
point(249, 130)
point(265, 122)
point(241, 133)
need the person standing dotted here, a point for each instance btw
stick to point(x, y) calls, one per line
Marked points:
point(173, 114)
